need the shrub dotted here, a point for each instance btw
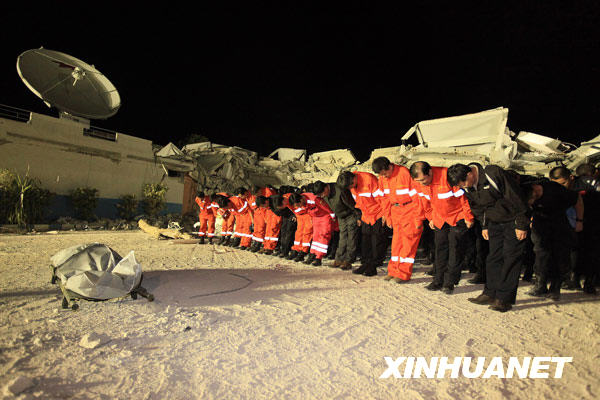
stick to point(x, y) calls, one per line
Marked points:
point(154, 198)
point(84, 201)
point(127, 207)
point(22, 199)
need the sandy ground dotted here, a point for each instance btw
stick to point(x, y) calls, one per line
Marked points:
point(228, 324)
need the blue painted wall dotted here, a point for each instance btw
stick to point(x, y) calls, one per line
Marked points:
point(61, 207)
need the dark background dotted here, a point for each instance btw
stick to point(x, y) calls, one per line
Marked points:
point(357, 75)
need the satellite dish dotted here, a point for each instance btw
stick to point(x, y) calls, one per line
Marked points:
point(69, 84)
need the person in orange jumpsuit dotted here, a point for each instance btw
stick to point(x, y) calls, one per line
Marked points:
point(243, 220)
point(260, 219)
point(206, 217)
point(260, 223)
point(227, 215)
point(450, 217)
point(244, 232)
point(403, 213)
point(272, 231)
point(304, 231)
point(272, 222)
point(322, 222)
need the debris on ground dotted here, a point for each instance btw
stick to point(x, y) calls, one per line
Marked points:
point(93, 340)
point(158, 232)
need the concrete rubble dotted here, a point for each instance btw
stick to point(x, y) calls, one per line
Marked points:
point(482, 137)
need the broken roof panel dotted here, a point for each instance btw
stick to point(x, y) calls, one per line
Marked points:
point(588, 152)
point(170, 150)
point(288, 154)
point(462, 130)
point(197, 147)
point(342, 157)
point(542, 144)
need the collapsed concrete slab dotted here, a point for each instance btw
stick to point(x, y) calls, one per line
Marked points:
point(588, 152)
point(287, 154)
point(224, 168)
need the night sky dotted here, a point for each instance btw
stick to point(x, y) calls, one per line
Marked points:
point(320, 78)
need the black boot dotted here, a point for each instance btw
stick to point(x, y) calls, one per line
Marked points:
point(226, 241)
point(235, 242)
point(588, 286)
point(448, 289)
point(309, 259)
point(573, 283)
point(500, 306)
point(554, 291)
point(201, 240)
point(317, 262)
point(539, 290)
point(370, 271)
point(476, 279)
point(293, 254)
point(361, 269)
point(210, 240)
point(346, 265)
point(255, 247)
point(300, 256)
point(433, 286)
point(482, 299)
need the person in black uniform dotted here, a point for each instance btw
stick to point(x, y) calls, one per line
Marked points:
point(586, 259)
point(551, 233)
point(288, 223)
point(347, 215)
point(496, 200)
point(477, 251)
point(330, 196)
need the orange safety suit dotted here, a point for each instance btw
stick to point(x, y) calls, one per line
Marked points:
point(304, 229)
point(228, 218)
point(403, 210)
point(442, 203)
point(272, 222)
point(272, 230)
point(260, 220)
point(206, 217)
point(260, 224)
point(243, 220)
point(368, 197)
point(322, 222)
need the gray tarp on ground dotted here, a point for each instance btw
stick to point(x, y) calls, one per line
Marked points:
point(96, 271)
